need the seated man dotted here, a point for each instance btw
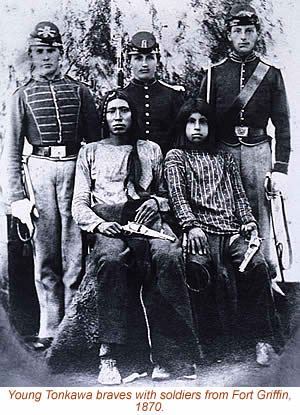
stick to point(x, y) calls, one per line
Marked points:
point(112, 172)
point(213, 212)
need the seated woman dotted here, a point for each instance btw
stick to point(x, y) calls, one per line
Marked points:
point(211, 207)
point(112, 174)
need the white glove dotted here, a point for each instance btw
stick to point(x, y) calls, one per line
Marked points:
point(279, 183)
point(22, 210)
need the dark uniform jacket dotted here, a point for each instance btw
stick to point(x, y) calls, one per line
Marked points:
point(268, 102)
point(48, 113)
point(157, 105)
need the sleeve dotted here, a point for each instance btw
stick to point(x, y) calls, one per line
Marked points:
point(280, 119)
point(242, 206)
point(158, 187)
point(81, 204)
point(90, 120)
point(175, 175)
point(13, 148)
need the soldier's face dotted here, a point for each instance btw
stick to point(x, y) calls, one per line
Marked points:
point(196, 128)
point(118, 117)
point(45, 59)
point(243, 39)
point(144, 66)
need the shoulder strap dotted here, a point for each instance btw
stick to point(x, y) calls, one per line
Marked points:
point(179, 88)
point(249, 90)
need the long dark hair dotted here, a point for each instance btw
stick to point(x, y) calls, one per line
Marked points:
point(134, 168)
point(191, 106)
point(134, 131)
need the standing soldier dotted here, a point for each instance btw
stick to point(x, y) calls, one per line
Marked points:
point(157, 102)
point(54, 113)
point(246, 93)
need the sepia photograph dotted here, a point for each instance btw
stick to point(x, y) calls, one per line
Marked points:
point(149, 192)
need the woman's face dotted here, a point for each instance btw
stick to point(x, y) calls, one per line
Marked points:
point(196, 128)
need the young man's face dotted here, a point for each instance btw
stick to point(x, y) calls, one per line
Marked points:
point(144, 66)
point(118, 117)
point(45, 59)
point(243, 38)
point(196, 128)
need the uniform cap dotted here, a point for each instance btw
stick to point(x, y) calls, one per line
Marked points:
point(242, 15)
point(45, 34)
point(143, 42)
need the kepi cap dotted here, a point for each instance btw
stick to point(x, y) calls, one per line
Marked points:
point(143, 42)
point(242, 15)
point(45, 34)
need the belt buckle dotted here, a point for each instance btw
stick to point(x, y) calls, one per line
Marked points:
point(58, 151)
point(241, 131)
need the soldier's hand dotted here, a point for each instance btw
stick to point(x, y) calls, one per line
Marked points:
point(146, 211)
point(279, 183)
point(23, 210)
point(197, 242)
point(110, 228)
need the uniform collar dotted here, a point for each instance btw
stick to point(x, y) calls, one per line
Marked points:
point(141, 83)
point(41, 78)
point(237, 58)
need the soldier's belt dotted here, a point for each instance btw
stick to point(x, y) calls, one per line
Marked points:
point(248, 136)
point(55, 151)
point(243, 132)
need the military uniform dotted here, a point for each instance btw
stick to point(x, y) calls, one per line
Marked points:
point(157, 106)
point(54, 116)
point(157, 102)
point(244, 133)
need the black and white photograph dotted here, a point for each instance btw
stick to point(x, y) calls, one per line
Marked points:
point(149, 192)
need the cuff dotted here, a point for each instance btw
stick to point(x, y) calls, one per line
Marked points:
point(280, 167)
point(190, 224)
point(247, 219)
point(93, 226)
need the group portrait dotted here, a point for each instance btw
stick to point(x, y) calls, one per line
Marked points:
point(148, 193)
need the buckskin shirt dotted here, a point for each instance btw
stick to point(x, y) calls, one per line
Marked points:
point(100, 175)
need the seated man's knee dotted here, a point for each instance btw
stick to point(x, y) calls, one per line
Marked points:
point(113, 258)
point(238, 250)
point(259, 260)
point(107, 257)
point(164, 250)
point(258, 270)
